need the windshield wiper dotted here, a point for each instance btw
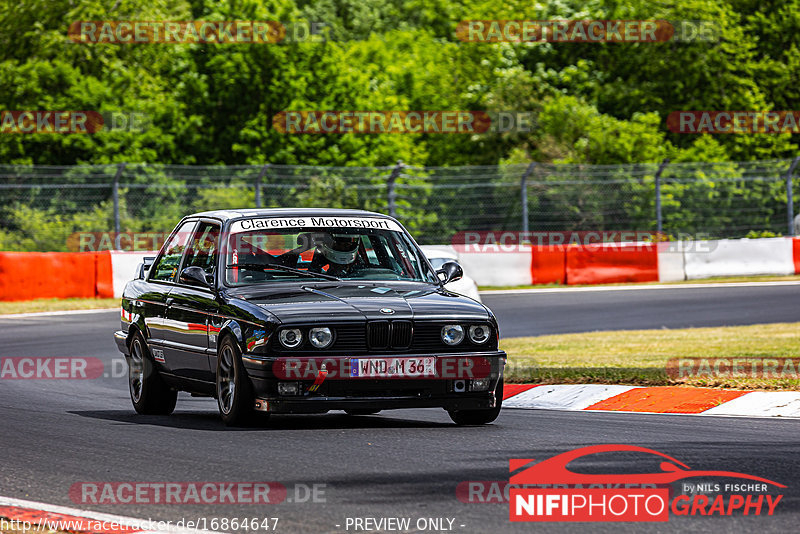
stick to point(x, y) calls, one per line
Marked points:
point(257, 267)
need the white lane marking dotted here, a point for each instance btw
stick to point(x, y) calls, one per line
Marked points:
point(635, 288)
point(52, 313)
point(131, 522)
point(564, 396)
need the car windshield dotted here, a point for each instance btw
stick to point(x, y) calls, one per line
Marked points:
point(264, 250)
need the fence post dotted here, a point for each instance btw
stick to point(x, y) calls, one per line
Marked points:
point(115, 196)
point(523, 186)
point(391, 193)
point(659, 216)
point(789, 195)
point(258, 183)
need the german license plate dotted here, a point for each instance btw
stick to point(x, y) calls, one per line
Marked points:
point(392, 367)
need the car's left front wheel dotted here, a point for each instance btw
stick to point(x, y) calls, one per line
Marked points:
point(150, 395)
point(235, 397)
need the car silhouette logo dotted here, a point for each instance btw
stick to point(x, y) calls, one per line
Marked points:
point(554, 470)
point(387, 311)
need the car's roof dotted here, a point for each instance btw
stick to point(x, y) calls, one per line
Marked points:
point(225, 215)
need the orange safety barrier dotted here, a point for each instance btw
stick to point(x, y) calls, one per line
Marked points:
point(611, 263)
point(39, 275)
point(796, 254)
point(549, 264)
point(104, 276)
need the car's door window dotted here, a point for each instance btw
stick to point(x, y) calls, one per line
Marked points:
point(203, 250)
point(167, 267)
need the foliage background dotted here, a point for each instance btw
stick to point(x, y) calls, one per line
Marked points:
point(597, 104)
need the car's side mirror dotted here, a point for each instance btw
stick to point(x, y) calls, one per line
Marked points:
point(194, 276)
point(147, 262)
point(451, 271)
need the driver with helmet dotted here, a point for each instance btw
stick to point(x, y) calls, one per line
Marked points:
point(338, 251)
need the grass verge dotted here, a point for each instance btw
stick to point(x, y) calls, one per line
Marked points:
point(639, 357)
point(43, 305)
point(716, 280)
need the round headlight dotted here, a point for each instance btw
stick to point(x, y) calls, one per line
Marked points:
point(479, 333)
point(291, 338)
point(452, 334)
point(320, 337)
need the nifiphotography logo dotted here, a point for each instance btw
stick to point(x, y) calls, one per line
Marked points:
point(571, 496)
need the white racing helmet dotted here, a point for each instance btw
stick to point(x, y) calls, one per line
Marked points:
point(341, 249)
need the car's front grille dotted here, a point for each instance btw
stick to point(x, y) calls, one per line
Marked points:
point(349, 338)
point(378, 334)
point(395, 335)
point(428, 336)
point(401, 334)
point(413, 337)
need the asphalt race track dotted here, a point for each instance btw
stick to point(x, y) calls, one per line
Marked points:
point(56, 433)
point(567, 311)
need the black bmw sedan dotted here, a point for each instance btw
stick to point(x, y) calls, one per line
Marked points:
point(306, 311)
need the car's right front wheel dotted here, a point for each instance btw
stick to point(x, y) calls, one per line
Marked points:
point(479, 417)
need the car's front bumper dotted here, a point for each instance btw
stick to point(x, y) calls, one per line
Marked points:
point(121, 338)
point(485, 401)
point(375, 393)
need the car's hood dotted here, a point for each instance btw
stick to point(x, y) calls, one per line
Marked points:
point(344, 302)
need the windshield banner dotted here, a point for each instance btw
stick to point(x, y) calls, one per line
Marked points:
point(276, 223)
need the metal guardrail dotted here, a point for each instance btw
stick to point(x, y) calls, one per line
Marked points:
point(710, 199)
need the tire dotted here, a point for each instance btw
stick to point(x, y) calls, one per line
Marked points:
point(150, 395)
point(363, 411)
point(234, 390)
point(479, 417)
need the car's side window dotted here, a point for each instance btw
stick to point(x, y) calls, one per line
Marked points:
point(203, 248)
point(167, 267)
